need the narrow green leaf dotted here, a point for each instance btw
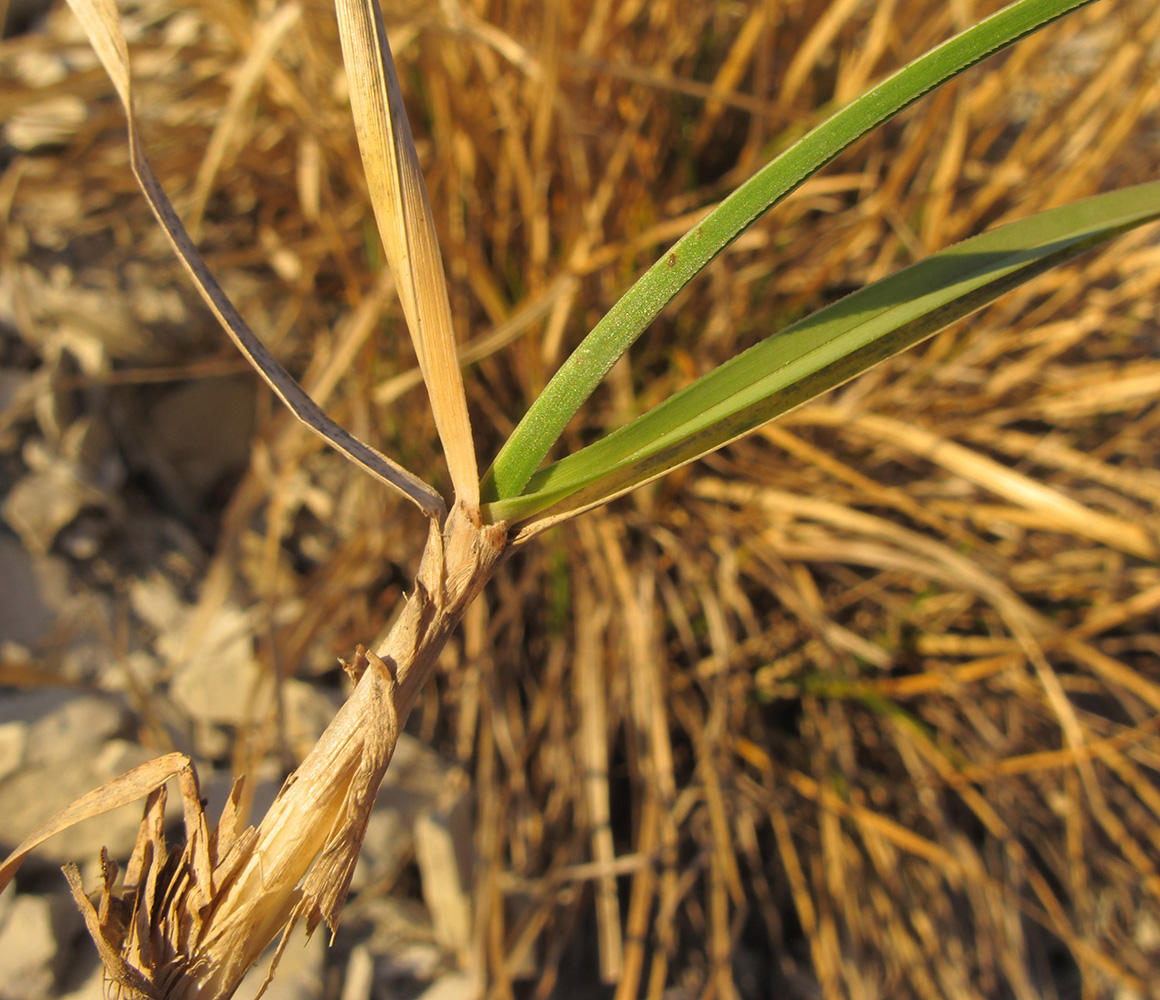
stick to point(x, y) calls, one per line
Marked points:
point(823, 350)
point(623, 324)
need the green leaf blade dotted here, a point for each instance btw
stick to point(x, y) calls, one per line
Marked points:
point(583, 371)
point(823, 350)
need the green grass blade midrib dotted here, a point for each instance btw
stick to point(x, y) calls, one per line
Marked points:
point(1019, 246)
point(587, 366)
point(556, 487)
point(987, 264)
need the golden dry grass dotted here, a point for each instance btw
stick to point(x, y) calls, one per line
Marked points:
point(871, 699)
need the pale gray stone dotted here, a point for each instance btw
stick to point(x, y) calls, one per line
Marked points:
point(48, 726)
point(28, 950)
point(44, 501)
point(13, 740)
point(78, 727)
point(137, 671)
point(217, 680)
point(24, 614)
point(360, 974)
point(17, 393)
point(443, 849)
point(29, 707)
point(307, 712)
point(299, 974)
point(156, 602)
point(92, 988)
point(453, 986)
point(201, 432)
point(35, 794)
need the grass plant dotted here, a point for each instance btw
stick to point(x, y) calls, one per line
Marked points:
point(191, 928)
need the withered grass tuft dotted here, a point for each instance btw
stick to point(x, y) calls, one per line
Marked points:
point(868, 700)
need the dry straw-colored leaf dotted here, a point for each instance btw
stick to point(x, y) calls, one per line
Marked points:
point(407, 227)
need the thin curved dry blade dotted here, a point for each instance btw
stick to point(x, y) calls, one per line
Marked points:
point(102, 24)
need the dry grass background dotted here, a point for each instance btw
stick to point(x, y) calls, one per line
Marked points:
point(866, 705)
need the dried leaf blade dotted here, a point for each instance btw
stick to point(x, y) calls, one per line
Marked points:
point(406, 225)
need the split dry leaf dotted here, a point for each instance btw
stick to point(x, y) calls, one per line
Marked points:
point(189, 922)
point(101, 23)
point(407, 226)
